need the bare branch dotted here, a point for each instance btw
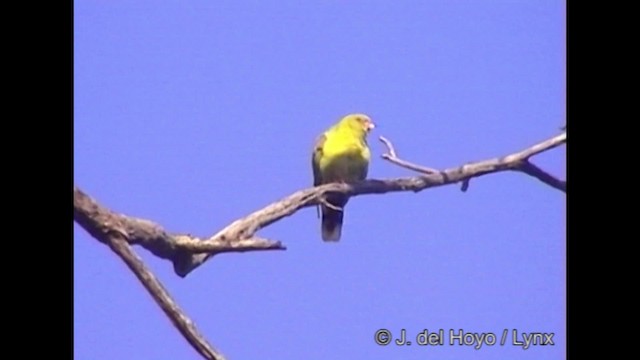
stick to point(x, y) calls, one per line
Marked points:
point(119, 231)
point(180, 320)
point(538, 148)
point(248, 226)
point(216, 246)
point(112, 230)
point(518, 161)
point(97, 219)
point(531, 169)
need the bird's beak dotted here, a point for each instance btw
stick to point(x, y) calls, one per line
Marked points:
point(370, 126)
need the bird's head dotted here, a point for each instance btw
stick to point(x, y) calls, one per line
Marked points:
point(359, 123)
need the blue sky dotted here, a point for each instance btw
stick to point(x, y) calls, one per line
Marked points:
point(193, 114)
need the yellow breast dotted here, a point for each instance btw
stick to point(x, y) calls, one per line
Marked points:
point(344, 160)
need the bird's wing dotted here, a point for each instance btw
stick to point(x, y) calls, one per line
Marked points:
point(315, 159)
point(316, 155)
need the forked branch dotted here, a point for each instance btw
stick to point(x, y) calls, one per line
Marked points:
point(518, 161)
point(249, 225)
point(117, 232)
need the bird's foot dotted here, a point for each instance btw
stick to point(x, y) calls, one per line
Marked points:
point(330, 205)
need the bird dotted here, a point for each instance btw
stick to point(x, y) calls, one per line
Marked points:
point(340, 154)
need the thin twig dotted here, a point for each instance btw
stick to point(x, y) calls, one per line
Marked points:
point(390, 149)
point(392, 157)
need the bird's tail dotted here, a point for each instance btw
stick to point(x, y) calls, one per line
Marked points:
point(332, 219)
